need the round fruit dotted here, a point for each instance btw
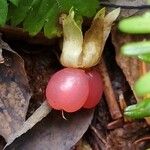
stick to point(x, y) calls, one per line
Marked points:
point(95, 89)
point(68, 89)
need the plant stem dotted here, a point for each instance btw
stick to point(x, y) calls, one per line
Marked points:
point(109, 93)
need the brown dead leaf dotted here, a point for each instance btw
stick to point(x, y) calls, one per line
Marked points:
point(14, 91)
point(53, 132)
point(37, 116)
point(17, 33)
point(39, 76)
point(128, 64)
point(125, 12)
point(131, 67)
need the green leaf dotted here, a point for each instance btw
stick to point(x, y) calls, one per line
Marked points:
point(15, 2)
point(18, 14)
point(136, 48)
point(86, 8)
point(3, 12)
point(136, 24)
point(145, 58)
point(83, 7)
point(51, 28)
point(138, 111)
point(44, 14)
point(142, 85)
point(37, 16)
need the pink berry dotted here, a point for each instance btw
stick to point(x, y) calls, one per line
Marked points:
point(68, 89)
point(95, 89)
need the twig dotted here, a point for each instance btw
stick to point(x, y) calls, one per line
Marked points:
point(98, 135)
point(109, 93)
point(123, 105)
point(37, 116)
point(115, 124)
point(143, 68)
point(140, 140)
point(122, 102)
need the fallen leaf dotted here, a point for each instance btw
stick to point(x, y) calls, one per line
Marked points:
point(53, 132)
point(4, 45)
point(14, 91)
point(127, 4)
point(132, 67)
point(37, 116)
point(45, 64)
point(17, 33)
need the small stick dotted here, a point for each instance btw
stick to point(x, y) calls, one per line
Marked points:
point(147, 138)
point(123, 105)
point(122, 102)
point(115, 124)
point(109, 93)
point(143, 68)
point(98, 135)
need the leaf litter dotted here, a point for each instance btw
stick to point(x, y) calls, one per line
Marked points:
point(14, 90)
point(38, 78)
point(132, 67)
point(128, 7)
point(50, 131)
point(53, 132)
point(128, 64)
point(43, 110)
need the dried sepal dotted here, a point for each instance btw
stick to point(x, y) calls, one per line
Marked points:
point(93, 41)
point(72, 44)
point(85, 53)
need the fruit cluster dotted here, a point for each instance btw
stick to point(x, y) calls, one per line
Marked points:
point(71, 89)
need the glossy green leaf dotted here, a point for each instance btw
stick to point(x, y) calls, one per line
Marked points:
point(138, 111)
point(15, 2)
point(86, 7)
point(145, 58)
point(51, 28)
point(136, 24)
point(18, 14)
point(3, 12)
point(83, 7)
point(37, 16)
point(136, 48)
point(142, 85)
